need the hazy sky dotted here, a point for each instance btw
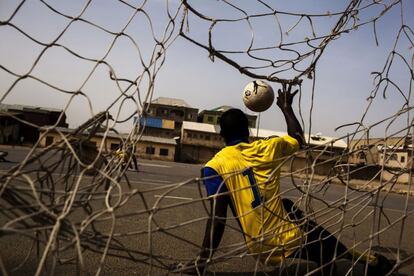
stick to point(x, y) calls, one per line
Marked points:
point(343, 73)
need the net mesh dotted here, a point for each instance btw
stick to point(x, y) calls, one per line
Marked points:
point(73, 207)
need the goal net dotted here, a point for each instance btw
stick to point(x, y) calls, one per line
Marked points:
point(73, 207)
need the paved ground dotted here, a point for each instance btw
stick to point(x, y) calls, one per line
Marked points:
point(177, 221)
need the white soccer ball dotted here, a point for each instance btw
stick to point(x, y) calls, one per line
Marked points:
point(258, 96)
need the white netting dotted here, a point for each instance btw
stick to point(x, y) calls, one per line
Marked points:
point(72, 208)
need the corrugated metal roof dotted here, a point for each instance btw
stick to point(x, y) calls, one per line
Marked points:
point(201, 127)
point(171, 101)
point(264, 133)
point(159, 140)
point(222, 108)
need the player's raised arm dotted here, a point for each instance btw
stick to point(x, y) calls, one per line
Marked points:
point(284, 101)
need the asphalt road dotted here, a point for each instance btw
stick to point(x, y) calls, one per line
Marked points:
point(174, 227)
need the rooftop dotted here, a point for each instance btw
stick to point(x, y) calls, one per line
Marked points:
point(222, 108)
point(210, 128)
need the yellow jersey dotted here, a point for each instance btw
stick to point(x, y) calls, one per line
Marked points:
point(251, 173)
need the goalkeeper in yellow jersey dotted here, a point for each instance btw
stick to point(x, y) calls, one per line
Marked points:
point(245, 176)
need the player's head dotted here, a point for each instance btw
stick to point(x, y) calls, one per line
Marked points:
point(234, 125)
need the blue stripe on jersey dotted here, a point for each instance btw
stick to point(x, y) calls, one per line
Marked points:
point(214, 184)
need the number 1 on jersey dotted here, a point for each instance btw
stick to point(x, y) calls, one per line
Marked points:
point(255, 189)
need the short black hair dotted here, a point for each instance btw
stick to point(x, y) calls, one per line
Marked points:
point(234, 125)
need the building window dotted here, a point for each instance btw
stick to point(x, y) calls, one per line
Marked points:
point(150, 150)
point(189, 135)
point(209, 119)
point(361, 155)
point(189, 116)
point(164, 152)
point(393, 156)
point(49, 140)
point(114, 146)
point(207, 137)
point(402, 159)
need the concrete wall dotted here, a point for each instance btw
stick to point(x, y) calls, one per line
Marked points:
point(161, 151)
point(196, 154)
point(203, 139)
point(155, 151)
point(160, 132)
point(395, 159)
point(110, 143)
point(199, 147)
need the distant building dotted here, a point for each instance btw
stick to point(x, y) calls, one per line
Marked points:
point(165, 117)
point(392, 155)
point(148, 147)
point(19, 123)
point(213, 116)
point(370, 151)
point(199, 142)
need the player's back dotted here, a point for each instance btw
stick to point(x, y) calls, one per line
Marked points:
point(251, 173)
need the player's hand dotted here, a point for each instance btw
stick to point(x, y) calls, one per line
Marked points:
point(285, 96)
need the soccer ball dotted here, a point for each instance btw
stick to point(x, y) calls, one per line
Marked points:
point(258, 96)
